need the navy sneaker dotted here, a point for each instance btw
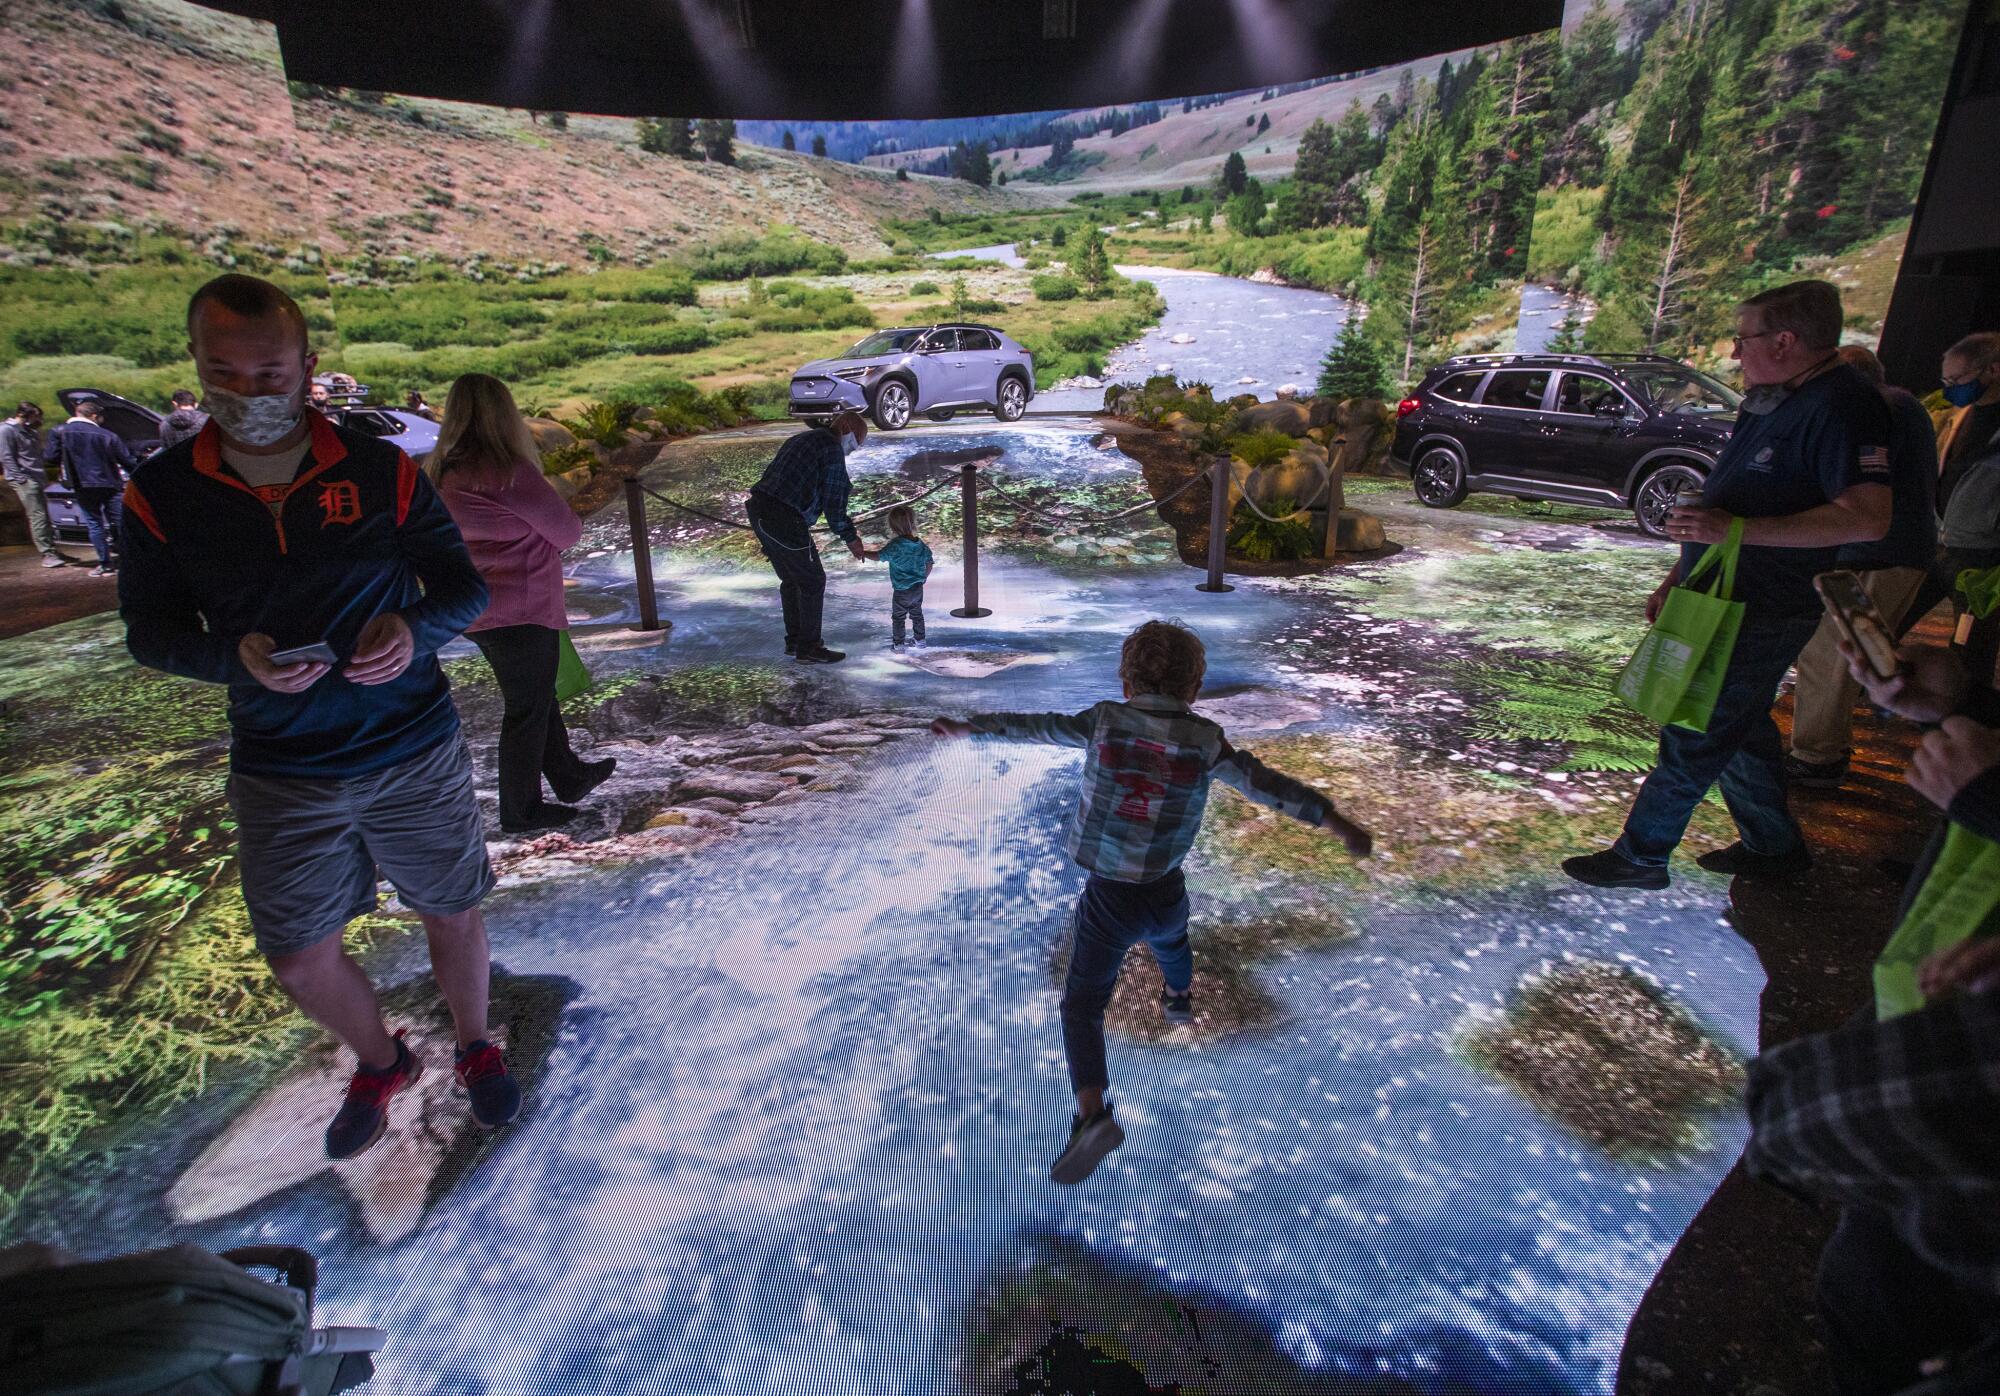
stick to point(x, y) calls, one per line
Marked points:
point(363, 1117)
point(1611, 868)
point(1177, 1009)
point(1816, 775)
point(1738, 861)
point(496, 1099)
point(1089, 1142)
point(594, 774)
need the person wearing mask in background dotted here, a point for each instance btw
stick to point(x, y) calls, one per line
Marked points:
point(516, 527)
point(183, 422)
point(1891, 571)
point(1806, 471)
point(806, 478)
point(1970, 378)
point(21, 460)
point(276, 530)
point(95, 462)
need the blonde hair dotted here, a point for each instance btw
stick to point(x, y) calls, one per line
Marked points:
point(483, 435)
point(902, 521)
point(1163, 656)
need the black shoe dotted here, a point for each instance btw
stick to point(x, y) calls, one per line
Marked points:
point(595, 773)
point(546, 816)
point(1177, 1009)
point(1089, 1142)
point(363, 1117)
point(1612, 869)
point(819, 654)
point(1816, 775)
point(482, 1071)
point(791, 647)
point(1738, 861)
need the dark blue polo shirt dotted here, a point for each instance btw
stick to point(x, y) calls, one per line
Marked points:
point(1825, 438)
point(1913, 525)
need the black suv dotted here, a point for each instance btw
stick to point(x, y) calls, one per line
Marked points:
point(1617, 431)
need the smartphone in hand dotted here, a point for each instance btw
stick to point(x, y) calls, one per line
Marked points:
point(318, 653)
point(1859, 621)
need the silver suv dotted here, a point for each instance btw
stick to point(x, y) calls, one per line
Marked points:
point(937, 370)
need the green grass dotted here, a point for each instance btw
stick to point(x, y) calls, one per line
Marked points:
point(1565, 232)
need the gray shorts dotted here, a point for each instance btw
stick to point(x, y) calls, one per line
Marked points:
point(309, 849)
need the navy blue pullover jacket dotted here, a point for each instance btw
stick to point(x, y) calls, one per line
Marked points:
point(92, 457)
point(359, 531)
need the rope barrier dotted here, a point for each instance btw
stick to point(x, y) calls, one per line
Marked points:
point(1325, 487)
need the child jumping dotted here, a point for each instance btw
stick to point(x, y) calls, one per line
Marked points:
point(909, 559)
point(1145, 783)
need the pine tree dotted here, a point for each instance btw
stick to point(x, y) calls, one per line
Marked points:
point(788, 143)
point(819, 146)
point(1246, 210)
point(1092, 262)
point(676, 136)
point(558, 121)
point(1568, 338)
point(718, 139)
point(1592, 68)
point(651, 134)
point(971, 164)
point(1263, 123)
point(1353, 366)
point(1058, 236)
point(1235, 174)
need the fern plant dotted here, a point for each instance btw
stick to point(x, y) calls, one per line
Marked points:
point(609, 424)
point(1260, 540)
point(1261, 448)
point(1539, 700)
point(565, 458)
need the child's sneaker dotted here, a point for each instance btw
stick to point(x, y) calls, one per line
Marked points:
point(363, 1117)
point(1089, 1141)
point(1177, 1009)
point(496, 1098)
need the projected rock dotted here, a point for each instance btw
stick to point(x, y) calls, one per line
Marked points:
point(967, 663)
point(1609, 1056)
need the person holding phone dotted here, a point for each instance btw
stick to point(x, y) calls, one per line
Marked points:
point(516, 526)
point(270, 531)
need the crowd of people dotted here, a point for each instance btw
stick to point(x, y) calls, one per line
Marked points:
point(317, 572)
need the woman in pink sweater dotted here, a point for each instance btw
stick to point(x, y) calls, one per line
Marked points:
point(516, 526)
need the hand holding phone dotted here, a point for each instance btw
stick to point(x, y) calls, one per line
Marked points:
point(259, 656)
point(320, 652)
point(1859, 621)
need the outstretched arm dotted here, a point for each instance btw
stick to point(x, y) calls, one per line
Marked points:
point(1055, 729)
point(1261, 785)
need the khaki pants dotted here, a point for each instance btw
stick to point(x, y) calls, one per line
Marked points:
point(35, 502)
point(1823, 701)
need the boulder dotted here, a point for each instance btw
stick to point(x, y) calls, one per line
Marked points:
point(563, 485)
point(1187, 429)
point(1286, 415)
point(1244, 400)
point(578, 478)
point(1172, 421)
point(1358, 532)
point(1321, 412)
point(1289, 391)
point(549, 434)
point(741, 787)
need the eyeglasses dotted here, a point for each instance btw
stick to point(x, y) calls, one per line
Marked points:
point(1742, 339)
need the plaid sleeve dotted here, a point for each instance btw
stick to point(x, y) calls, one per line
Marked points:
point(1056, 729)
point(1261, 785)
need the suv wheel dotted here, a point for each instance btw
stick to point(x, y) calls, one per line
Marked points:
point(939, 414)
point(1655, 496)
point(1013, 400)
point(893, 405)
point(1439, 478)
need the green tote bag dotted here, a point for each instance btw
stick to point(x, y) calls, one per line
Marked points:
point(1959, 900)
point(1676, 673)
point(571, 677)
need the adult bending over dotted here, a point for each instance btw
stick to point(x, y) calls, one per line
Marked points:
point(516, 526)
point(274, 529)
point(807, 478)
point(1807, 469)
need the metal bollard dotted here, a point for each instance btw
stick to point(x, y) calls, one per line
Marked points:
point(642, 555)
point(1218, 524)
point(968, 480)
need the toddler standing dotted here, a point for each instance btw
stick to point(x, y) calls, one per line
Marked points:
point(909, 559)
point(1145, 784)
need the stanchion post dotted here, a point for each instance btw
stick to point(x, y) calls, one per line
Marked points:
point(968, 482)
point(1218, 524)
point(642, 555)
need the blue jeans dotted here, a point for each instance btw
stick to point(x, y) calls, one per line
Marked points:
point(1741, 748)
point(1111, 918)
point(104, 516)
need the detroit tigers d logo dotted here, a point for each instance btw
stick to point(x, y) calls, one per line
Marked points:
point(339, 503)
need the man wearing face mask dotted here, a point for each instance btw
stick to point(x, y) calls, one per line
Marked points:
point(275, 530)
point(1807, 469)
point(807, 478)
point(1968, 445)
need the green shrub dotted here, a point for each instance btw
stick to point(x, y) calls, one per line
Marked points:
point(773, 254)
point(926, 288)
point(609, 424)
point(1261, 448)
point(1258, 539)
point(669, 339)
point(566, 458)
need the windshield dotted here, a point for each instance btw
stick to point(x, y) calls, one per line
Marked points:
point(883, 342)
point(1685, 391)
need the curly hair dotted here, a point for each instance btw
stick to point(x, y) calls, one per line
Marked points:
point(1163, 656)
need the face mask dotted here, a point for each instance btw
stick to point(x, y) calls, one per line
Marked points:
point(848, 445)
point(255, 421)
point(1763, 399)
point(1964, 394)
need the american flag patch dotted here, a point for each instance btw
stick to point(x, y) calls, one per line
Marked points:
point(1875, 458)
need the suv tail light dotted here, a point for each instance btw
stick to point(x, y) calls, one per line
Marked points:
point(1407, 406)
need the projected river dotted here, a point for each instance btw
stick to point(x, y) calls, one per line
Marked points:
point(792, 1129)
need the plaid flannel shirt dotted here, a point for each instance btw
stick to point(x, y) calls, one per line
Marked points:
point(1902, 1117)
point(1146, 779)
point(809, 473)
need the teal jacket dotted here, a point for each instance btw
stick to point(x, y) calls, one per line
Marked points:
point(909, 562)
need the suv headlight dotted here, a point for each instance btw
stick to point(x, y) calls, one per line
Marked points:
point(855, 375)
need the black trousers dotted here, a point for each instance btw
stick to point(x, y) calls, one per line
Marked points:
point(533, 740)
point(801, 580)
point(1886, 1311)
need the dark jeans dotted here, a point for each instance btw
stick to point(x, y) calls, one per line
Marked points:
point(788, 543)
point(104, 516)
point(1111, 918)
point(1885, 1310)
point(906, 603)
point(1741, 748)
point(533, 740)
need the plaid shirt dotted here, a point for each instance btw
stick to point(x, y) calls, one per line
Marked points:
point(809, 473)
point(1902, 1117)
point(1146, 779)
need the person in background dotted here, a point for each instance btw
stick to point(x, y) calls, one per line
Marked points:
point(516, 527)
point(1891, 569)
point(21, 461)
point(95, 462)
point(1807, 471)
point(321, 397)
point(1970, 375)
point(184, 420)
point(909, 559)
point(413, 402)
point(276, 530)
point(807, 478)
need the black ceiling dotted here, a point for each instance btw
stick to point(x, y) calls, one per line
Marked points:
point(858, 59)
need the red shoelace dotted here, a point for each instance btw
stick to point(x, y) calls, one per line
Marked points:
point(480, 1063)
